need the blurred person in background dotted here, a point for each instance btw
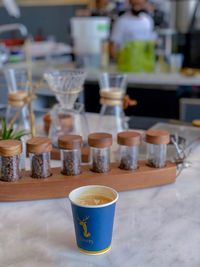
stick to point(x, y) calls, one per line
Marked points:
point(135, 24)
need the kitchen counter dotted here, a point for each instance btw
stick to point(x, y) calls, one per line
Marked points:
point(157, 94)
point(157, 227)
point(165, 79)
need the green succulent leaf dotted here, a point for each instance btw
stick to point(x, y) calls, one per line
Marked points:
point(9, 133)
point(3, 128)
point(18, 135)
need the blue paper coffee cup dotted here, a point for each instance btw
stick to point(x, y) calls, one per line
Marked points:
point(93, 223)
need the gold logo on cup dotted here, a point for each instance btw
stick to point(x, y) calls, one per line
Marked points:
point(83, 223)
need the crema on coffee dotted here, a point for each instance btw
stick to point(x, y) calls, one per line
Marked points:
point(93, 200)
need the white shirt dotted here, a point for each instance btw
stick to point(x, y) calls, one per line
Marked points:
point(130, 28)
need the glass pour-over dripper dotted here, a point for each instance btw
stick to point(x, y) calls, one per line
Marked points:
point(67, 117)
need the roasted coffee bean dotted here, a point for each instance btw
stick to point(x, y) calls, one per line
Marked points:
point(40, 166)
point(128, 163)
point(100, 164)
point(10, 168)
point(71, 163)
point(156, 163)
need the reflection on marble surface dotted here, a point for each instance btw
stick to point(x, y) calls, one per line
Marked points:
point(157, 227)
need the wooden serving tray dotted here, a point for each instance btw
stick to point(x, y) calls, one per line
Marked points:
point(59, 185)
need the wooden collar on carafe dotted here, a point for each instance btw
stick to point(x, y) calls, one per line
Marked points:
point(111, 97)
point(17, 98)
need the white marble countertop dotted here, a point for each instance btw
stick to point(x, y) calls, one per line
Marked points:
point(158, 227)
point(153, 227)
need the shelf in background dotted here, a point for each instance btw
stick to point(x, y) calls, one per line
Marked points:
point(90, 3)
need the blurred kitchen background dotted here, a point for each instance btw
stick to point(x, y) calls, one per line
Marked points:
point(163, 77)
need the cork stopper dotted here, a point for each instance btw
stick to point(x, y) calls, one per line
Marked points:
point(70, 142)
point(10, 148)
point(157, 137)
point(129, 138)
point(100, 140)
point(39, 145)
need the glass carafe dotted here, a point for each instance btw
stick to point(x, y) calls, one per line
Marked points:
point(68, 121)
point(112, 90)
point(16, 80)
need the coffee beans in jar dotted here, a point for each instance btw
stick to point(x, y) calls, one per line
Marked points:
point(70, 151)
point(157, 141)
point(100, 150)
point(10, 151)
point(39, 149)
point(129, 143)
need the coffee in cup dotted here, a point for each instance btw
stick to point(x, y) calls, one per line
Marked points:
point(92, 200)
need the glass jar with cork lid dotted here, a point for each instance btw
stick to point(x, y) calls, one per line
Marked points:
point(39, 149)
point(10, 151)
point(157, 141)
point(100, 144)
point(129, 145)
point(70, 152)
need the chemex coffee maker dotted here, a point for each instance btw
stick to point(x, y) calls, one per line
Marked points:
point(67, 117)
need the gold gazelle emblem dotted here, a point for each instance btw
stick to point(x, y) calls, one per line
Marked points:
point(83, 223)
